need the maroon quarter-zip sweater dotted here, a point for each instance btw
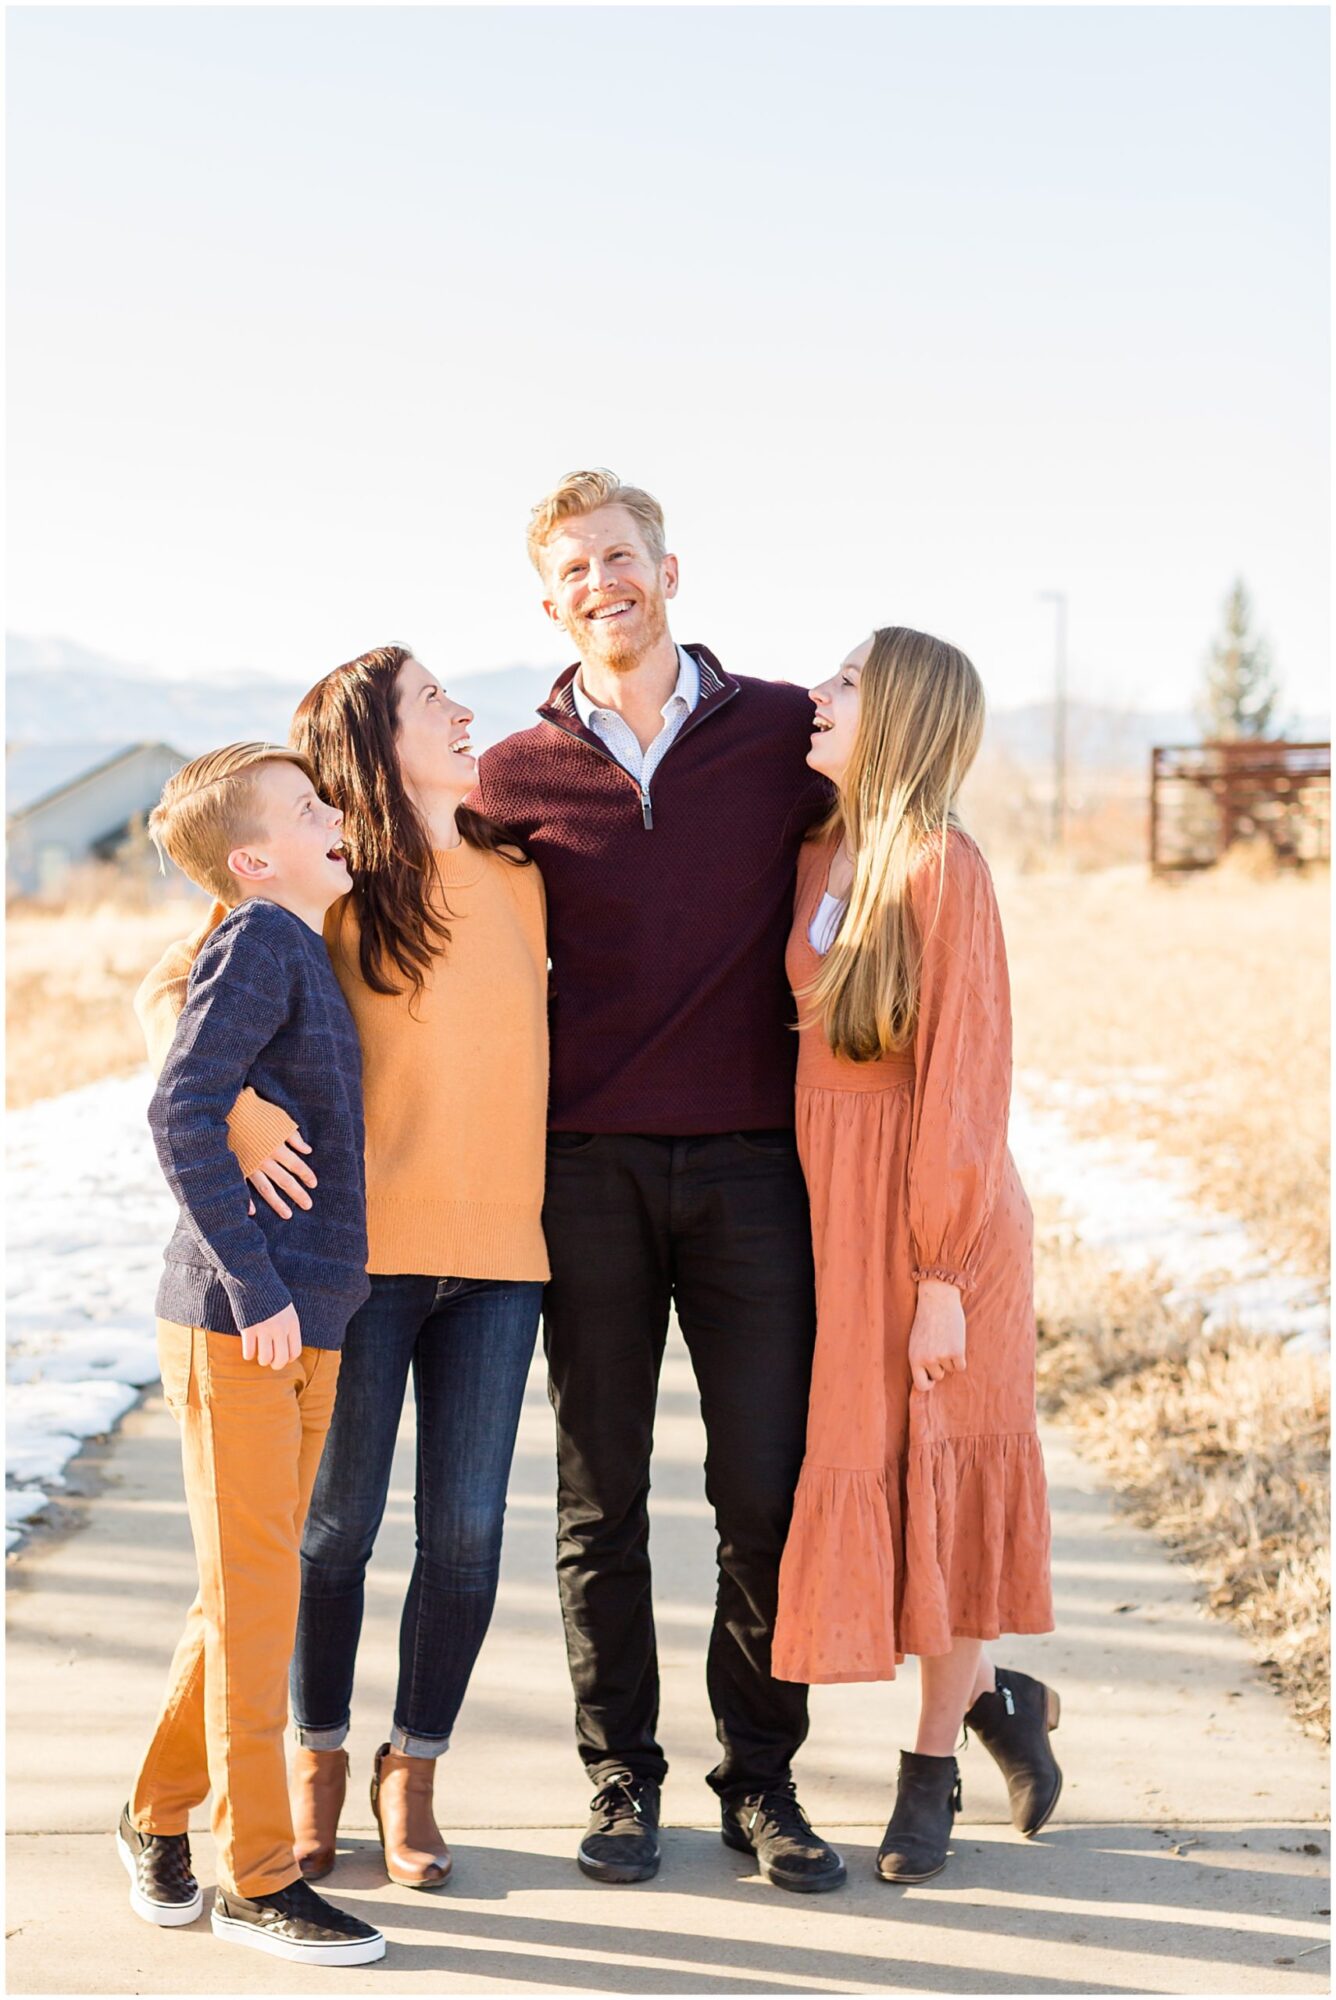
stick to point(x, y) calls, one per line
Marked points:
point(667, 916)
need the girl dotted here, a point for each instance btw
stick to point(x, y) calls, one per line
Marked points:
point(920, 1523)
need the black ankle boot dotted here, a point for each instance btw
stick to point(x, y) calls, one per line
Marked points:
point(926, 1803)
point(1014, 1725)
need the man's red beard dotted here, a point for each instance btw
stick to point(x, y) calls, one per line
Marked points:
point(619, 653)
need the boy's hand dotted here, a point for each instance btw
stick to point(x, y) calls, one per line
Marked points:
point(273, 1342)
point(937, 1337)
point(284, 1170)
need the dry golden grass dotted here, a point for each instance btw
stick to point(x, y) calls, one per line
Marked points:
point(1220, 1446)
point(1217, 986)
point(70, 977)
point(1194, 1013)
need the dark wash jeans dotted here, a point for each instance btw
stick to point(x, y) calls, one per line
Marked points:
point(719, 1227)
point(469, 1342)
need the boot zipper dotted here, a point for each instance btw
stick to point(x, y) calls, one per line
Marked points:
point(1005, 1693)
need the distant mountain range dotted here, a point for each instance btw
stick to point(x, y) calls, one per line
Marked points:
point(57, 692)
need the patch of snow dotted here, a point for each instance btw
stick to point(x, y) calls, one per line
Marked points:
point(21, 1503)
point(1135, 1206)
point(87, 1216)
point(1140, 1084)
point(121, 1353)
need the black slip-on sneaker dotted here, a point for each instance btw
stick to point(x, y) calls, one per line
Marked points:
point(296, 1923)
point(773, 1826)
point(162, 1888)
point(621, 1842)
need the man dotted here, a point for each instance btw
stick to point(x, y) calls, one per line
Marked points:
point(665, 802)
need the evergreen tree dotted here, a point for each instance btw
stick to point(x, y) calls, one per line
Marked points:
point(1239, 691)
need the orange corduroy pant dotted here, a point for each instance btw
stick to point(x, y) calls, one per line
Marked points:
point(251, 1440)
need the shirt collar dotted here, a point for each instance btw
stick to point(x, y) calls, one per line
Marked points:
point(687, 690)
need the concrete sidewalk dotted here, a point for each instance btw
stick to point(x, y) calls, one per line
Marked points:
point(1188, 1854)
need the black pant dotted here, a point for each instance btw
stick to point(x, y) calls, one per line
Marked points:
point(719, 1227)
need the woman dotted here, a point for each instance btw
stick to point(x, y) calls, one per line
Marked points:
point(920, 1523)
point(441, 953)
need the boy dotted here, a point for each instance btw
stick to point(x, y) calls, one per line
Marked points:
point(251, 1315)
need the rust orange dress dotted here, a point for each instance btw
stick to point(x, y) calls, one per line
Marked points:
point(921, 1516)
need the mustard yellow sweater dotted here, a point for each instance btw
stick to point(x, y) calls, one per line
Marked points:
point(455, 1080)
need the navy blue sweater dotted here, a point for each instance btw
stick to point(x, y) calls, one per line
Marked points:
point(263, 1008)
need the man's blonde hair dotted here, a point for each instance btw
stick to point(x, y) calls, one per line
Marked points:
point(211, 806)
point(584, 492)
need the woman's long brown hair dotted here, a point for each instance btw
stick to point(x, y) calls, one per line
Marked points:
point(347, 727)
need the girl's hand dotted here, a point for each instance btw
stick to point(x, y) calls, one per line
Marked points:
point(285, 1170)
point(937, 1337)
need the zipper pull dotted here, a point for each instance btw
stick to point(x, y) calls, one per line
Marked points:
point(1009, 1704)
point(647, 812)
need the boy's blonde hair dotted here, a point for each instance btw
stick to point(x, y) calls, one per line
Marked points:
point(211, 806)
point(584, 492)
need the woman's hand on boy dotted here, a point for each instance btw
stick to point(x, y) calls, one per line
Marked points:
point(937, 1337)
point(285, 1172)
point(273, 1342)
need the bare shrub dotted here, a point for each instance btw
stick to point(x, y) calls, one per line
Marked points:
point(1193, 1014)
point(1218, 1442)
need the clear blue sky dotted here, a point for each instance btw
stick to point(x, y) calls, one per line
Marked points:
point(906, 314)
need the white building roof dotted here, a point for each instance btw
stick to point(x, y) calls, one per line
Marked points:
point(36, 772)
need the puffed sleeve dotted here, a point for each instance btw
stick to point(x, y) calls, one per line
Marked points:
point(962, 1061)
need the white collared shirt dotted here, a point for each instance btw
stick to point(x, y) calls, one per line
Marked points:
point(620, 738)
point(826, 921)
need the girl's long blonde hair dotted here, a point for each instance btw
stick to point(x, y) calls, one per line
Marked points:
point(921, 711)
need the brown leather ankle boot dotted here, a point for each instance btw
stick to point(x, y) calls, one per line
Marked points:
point(415, 1853)
point(317, 1784)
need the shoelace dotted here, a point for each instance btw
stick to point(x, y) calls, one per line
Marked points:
point(613, 1797)
point(780, 1806)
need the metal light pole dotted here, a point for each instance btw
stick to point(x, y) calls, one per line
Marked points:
point(1058, 598)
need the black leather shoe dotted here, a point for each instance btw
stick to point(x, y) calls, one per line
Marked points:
point(926, 1803)
point(1014, 1725)
point(162, 1888)
point(773, 1826)
point(621, 1842)
point(296, 1923)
